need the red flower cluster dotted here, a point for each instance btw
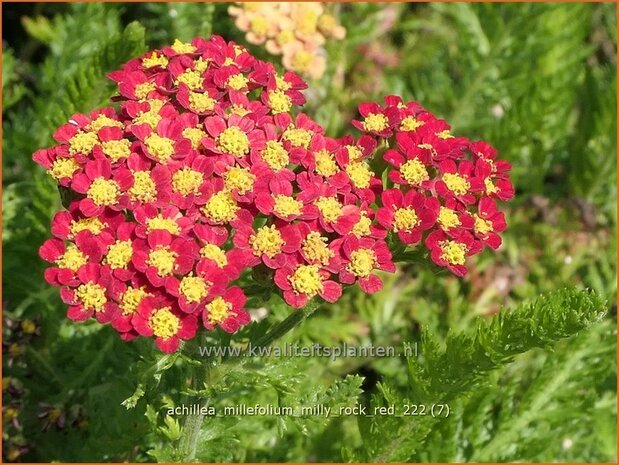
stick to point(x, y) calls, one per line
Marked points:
point(202, 173)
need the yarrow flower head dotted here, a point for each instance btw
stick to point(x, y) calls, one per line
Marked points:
point(206, 172)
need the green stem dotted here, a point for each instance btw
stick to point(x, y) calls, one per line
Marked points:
point(293, 320)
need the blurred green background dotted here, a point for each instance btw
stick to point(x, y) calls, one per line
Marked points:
point(538, 81)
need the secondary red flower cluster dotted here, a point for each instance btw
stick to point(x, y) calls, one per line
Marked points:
point(201, 173)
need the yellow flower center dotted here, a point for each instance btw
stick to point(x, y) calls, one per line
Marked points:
point(375, 122)
point(163, 259)
point(201, 64)
point(410, 123)
point(144, 188)
point(142, 90)
point(218, 310)
point(359, 174)
point(83, 142)
point(182, 47)
point(116, 149)
point(445, 134)
point(94, 225)
point(482, 226)
point(187, 181)
point(306, 279)
point(234, 141)
point(453, 252)
point(447, 218)
point(194, 288)
point(119, 254)
point(195, 135)
point(164, 323)
point(327, 23)
point(192, 78)
point(239, 110)
point(281, 83)
point(490, 187)
point(286, 205)
point(405, 219)
point(73, 258)
point(307, 23)
point(166, 224)
point(297, 137)
point(237, 81)
point(362, 262)
point(213, 252)
point(201, 102)
point(63, 168)
point(316, 250)
point(302, 61)
point(240, 179)
point(221, 208)
point(329, 208)
point(354, 153)
point(267, 240)
point(285, 37)
point(159, 147)
point(362, 227)
point(92, 296)
point(275, 155)
point(279, 102)
point(155, 60)
point(150, 117)
point(103, 192)
point(103, 121)
point(414, 172)
point(456, 183)
point(131, 298)
point(325, 163)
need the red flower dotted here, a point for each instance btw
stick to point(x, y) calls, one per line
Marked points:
point(271, 245)
point(68, 259)
point(149, 186)
point(495, 185)
point(324, 205)
point(377, 120)
point(407, 215)
point(281, 202)
point(101, 188)
point(300, 283)
point(221, 206)
point(193, 290)
point(169, 218)
point(234, 138)
point(119, 252)
point(412, 163)
point(67, 225)
point(59, 164)
point(458, 181)
point(453, 218)
point(211, 240)
point(226, 311)
point(488, 222)
point(451, 252)
point(164, 143)
point(136, 85)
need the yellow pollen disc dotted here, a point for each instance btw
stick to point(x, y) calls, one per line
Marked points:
point(490, 187)
point(94, 225)
point(239, 110)
point(163, 259)
point(151, 118)
point(159, 147)
point(155, 60)
point(327, 23)
point(92, 296)
point(228, 61)
point(267, 240)
point(213, 252)
point(119, 254)
point(195, 135)
point(316, 250)
point(414, 172)
point(167, 224)
point(240, 179)
point(218, 310)
point(375, 122)
point(482, 226)
point(83, 142)
point(194, 288)
point(453, 252)
point(279, 102)
point(329, 208)
point(131, 298)
point(354, 153)
point(446, 134)
point(325, 163)
point(142, 90)
point(302, 61)
point(281, 83)
point(73, 258)
point(359, 174)
point(182, 47)
point(164, 323)
point(144, 188)
point(116, 149)
point(237, 81)
point(63, 168)
point(103, 192)
point(259, 26)
point(192, 78)
point(221, 208)
point(200, 64)
point(285, 37)
point(275, 155)
point(456, 183)
point(187, 181)
point(362, 262)
point(307, 23)
point(103, 121)
point(286, 205)
point(201, 102)
point(410, 123)
point(234, 141)
point(307, 280)
point(362, 228)
point(405, 219)
point(447, 218)
point(297, 137)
